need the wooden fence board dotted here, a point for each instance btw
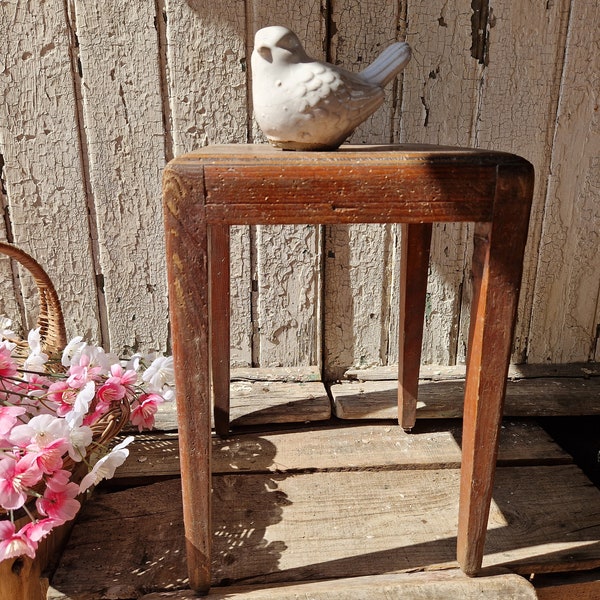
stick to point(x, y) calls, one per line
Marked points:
point(123, 117)
point(357, 264)
point(565, 309)
point(43, 170)
point(532, 79)
point(287, 259)
point(439, 103)
point(80, 178)
point(207, 67)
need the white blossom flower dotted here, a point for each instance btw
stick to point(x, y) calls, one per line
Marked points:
point(81, 405)
point(36, 359)
point(41, 431)
point(5, 330)
point(74, 347)
point(106, 466)
point(160, 373)
point(80, 438)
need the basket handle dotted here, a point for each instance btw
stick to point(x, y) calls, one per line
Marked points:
point(50, 319)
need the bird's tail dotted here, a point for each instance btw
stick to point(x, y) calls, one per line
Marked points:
point(388, 64)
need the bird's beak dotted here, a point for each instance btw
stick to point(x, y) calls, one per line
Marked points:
point(265, 53)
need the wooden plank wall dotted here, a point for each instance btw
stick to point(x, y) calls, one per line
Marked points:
point(96, 97)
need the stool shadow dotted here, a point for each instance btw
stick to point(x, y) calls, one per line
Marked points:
point(245, 502)
point(527, 537)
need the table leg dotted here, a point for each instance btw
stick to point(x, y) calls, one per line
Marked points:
point(414, 266)
point(497, 269)
point(187, 248)
point(218, 266)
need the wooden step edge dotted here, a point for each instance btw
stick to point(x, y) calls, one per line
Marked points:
point(288, 374)
point(408, 586)
point(442, 372)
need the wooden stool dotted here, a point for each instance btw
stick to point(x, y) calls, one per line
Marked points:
point(207, 191)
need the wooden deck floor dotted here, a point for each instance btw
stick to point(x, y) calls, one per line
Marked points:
point(337, 509)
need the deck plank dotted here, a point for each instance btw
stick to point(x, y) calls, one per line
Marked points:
point(278, 527)
point(414, 586)
point(536, 397)
point(432, 444)
point(256, 402)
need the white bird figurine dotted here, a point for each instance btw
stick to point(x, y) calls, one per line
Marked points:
point(304, 104)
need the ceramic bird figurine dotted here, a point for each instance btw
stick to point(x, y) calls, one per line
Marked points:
point(304, 104)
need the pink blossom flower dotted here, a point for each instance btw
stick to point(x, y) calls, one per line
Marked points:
point(106, 466)
point(111, 391)
point(127, 378)
point(58, 501)
point(13, 543)
point(143, 413)
point(9, 417)
point(49, 458)
point(83, 371)
point(63, 395)
point(8, 367)
point(16, 477)
point(45, 438)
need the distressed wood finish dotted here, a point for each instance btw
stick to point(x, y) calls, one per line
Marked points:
point(566, 307)
point(415, 185)
point(187, 251)
point(498, 252)
point(357, 276)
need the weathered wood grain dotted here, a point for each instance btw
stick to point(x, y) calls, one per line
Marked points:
point(564, 586)
point(277, 528)
point(442, 372)
point(258, 403)
point(565, 309)
point(123, 118)
point(43, 160)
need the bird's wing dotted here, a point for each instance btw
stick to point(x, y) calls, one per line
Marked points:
point(337, 91)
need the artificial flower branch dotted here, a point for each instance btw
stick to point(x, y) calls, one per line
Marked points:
point(53, 413)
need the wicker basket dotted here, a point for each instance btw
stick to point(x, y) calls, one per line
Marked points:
point(54, 339)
